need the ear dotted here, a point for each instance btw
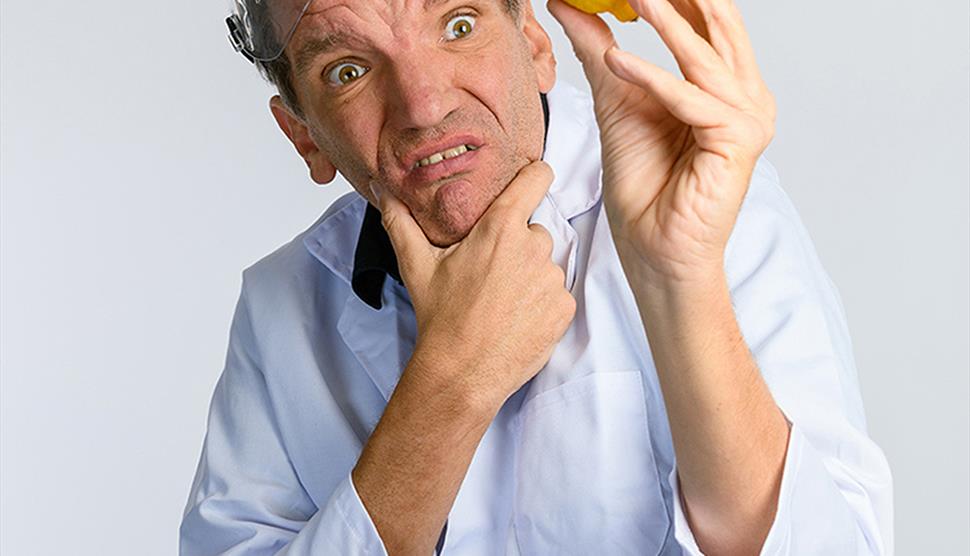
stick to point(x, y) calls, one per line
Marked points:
point(542, 56)
point(321, 169)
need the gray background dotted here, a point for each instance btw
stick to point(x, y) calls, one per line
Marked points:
point(141, 172)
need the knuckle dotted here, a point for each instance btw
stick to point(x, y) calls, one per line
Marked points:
point(499, 208)
point(763, 130)
point(552, 282)
point(495, 224)
point(558, 275)
point(543, 240)
point(388, 220)
point(724, 14)
point(547, 246)
point(567, 309)
point(767, 103)
point(769, 131)
point(571, 305)
point(772, 105)
point(708, 67)
point(503, 223)
point(716, 14)
point(754, 133)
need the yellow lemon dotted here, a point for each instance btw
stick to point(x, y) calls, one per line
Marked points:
point(619, 8)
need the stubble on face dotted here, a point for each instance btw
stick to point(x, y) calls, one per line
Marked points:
point(516, 136)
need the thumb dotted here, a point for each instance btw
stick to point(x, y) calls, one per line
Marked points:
point(590, 36)
point(411, 246)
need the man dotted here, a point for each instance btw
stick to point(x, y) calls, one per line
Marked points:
point(607, 330)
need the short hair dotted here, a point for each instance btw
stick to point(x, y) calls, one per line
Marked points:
point(279, 71)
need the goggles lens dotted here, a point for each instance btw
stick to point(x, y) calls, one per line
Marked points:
point(260, 29)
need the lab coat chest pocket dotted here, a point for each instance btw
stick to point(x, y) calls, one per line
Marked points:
point(586, 478)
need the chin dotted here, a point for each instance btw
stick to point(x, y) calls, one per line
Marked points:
point(445, 234)
point(459, 206)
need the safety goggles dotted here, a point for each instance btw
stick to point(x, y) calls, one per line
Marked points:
point(260, 29)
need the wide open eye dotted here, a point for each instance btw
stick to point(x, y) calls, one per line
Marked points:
point(345, 73)
point(460, 26)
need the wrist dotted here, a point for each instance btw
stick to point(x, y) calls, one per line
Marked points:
point(447, 376)
point(696, 281)
point(668, 296)
point(694, 272)
point(694, 285)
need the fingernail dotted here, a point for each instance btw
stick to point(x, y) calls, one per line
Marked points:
point(375, 190)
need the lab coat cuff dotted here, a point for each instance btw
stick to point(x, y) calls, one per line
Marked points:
point(364, 537)
point(777, 541)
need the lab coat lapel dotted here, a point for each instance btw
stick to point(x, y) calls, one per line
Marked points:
point(383, 340)
point(572, 149)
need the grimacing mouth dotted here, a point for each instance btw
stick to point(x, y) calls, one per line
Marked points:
point(442, 155)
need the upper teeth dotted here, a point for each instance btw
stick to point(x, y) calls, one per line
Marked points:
point(450, 153)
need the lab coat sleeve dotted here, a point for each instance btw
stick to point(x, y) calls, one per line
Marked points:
point(246, 497)
point(836, 489)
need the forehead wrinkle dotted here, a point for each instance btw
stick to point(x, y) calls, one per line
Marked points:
point(315, 46)
point(326, 35)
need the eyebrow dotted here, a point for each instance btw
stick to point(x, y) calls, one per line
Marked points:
point(314, 47)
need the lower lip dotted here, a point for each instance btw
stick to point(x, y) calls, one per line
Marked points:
point(443, 169)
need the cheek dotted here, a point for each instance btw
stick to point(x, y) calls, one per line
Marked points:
point(523, 105)
point(351, 145)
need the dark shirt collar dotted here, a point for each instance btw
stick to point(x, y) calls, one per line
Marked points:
point(374, 258)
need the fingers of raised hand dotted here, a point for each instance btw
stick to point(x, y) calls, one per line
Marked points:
point(731, 41)
point(697, 58)
point(712, 48)
point(589, 35)
point(712, 120)
point(684, 100)
point(719, 23)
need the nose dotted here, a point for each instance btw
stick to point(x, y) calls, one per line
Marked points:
point(422, 90)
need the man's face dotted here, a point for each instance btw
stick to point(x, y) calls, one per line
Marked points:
point(409, 78)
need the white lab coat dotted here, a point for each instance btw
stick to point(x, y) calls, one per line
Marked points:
point(578, 461)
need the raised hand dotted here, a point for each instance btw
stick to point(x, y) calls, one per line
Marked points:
point(677, 154)
point(490, 308)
